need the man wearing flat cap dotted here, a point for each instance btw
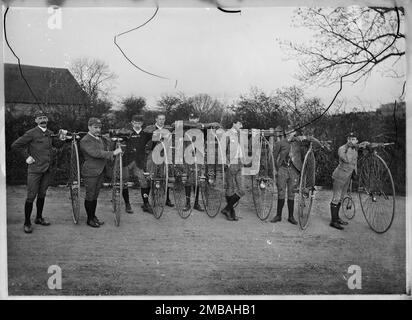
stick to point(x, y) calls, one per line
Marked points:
point(134, 161)
point(288, 155)
point(341, 176)
point(97, 153)
point(36, 147)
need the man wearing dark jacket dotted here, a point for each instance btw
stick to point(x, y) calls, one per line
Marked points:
point(134, 161)
point(288, 156)
point(152, 129)
point(36, 147)
point(96, 151)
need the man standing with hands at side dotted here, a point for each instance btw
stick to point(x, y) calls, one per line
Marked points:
point(96, 151)
point(36, 147)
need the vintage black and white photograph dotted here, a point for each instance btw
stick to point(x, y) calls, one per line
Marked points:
point(209, 148)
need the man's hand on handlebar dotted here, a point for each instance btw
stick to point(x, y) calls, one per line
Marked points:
point(117, 151)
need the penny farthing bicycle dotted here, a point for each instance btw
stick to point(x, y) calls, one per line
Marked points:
point(306, 191)
point(306, 188)
point(182, 174)
point(264, 182)
point(212, 177)
point(376, 189)
point(74, 174)
point(117, 178)
point(159, 173)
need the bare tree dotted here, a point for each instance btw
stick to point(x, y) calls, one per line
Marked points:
point(206, 106)
point(300, 109)
point(349, 43)
point(94, 77)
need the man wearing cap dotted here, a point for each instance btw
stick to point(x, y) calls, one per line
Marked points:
point(288, 156)
point(36, 147)
point(96, 151)
point(341, 176)
point(233, 174)
point(159, 125)
point(134, 161)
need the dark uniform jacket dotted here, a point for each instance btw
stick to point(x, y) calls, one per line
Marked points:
point(96, 155)
point(291, 152)
point(39, 145)
point(135, 146)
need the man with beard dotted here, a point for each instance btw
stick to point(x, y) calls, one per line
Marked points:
point(96, 151)
point(36, 147)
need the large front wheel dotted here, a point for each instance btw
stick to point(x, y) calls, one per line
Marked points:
point(74, 182)
point(264, 183)
point(306, 189)
point(376, 192)
point(117, 188)
point(212, 180)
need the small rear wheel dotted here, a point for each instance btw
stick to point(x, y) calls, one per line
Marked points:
point(348, 207)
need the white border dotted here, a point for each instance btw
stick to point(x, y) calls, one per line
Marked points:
point(227, 4)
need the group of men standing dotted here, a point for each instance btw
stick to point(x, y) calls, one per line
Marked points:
point(98, 150)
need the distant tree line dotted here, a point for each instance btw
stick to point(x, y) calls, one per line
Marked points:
point(256, 109)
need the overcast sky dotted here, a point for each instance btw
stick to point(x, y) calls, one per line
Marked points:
point(205, 50)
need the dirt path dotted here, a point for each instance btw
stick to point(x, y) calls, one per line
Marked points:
point(200, 256)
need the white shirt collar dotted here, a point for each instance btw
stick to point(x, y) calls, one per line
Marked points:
point(158, 127)
point(97, 138)
point(43, 129)
point(137, 131)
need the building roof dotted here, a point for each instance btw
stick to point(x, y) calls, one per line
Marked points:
point(50, 86)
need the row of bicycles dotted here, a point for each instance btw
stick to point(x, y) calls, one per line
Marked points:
point(374, 186)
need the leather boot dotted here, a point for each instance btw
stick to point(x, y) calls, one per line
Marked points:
point(95, 219)
point(145, 196)
point(197, 206)
point(233, 199)
point(188, 192)
point(279, 209)
point(168, 202)
point(339, 220)
point(88, 205)
point(28, 207)
point(226, 210)
point(334, 215)
point(125, 194)
point(291, 207)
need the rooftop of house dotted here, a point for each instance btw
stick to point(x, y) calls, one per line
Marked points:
point(50, 86)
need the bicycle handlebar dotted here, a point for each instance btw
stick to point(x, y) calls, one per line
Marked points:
point(374, 145)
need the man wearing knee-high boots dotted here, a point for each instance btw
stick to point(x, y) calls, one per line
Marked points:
point(348, 158)
point(233, 173)
point(36, 147)
point(151, 167)
point(134, 161)
point(288, 162)
point(190, 184)
point(96, 151)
